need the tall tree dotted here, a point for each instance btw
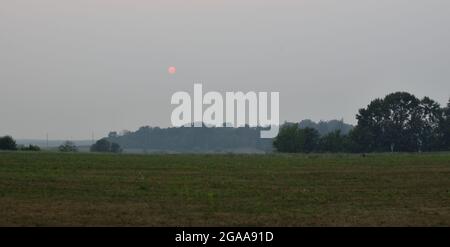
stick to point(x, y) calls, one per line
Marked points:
point(427, 125)
point(444, 128)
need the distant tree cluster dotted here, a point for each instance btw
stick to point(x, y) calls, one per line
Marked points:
point(201, 139)
point(105, 146)
point(205, 139)
point(400, 122)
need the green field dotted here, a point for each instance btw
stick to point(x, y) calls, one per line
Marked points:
point(54, 189)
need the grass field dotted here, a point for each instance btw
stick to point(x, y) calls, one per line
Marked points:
point(54, 189)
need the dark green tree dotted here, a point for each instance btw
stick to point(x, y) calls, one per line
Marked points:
point(400, 123)
point(7, 143)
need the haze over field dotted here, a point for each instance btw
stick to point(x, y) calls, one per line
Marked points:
point(70, 68)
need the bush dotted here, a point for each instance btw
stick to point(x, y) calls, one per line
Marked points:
point(68, 146)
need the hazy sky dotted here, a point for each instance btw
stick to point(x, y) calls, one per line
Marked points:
point(75, 67)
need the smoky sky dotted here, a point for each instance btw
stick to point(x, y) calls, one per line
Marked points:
point(73, 68)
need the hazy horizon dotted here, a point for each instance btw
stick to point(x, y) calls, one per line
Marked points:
point(73, 68)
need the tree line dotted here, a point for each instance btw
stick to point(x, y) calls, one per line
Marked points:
point(206, 139)
point(101, 146)
point(8, 143)
point(190, 139)
point(400, 122)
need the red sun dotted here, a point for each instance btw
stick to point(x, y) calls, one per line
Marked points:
point(172, 70)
